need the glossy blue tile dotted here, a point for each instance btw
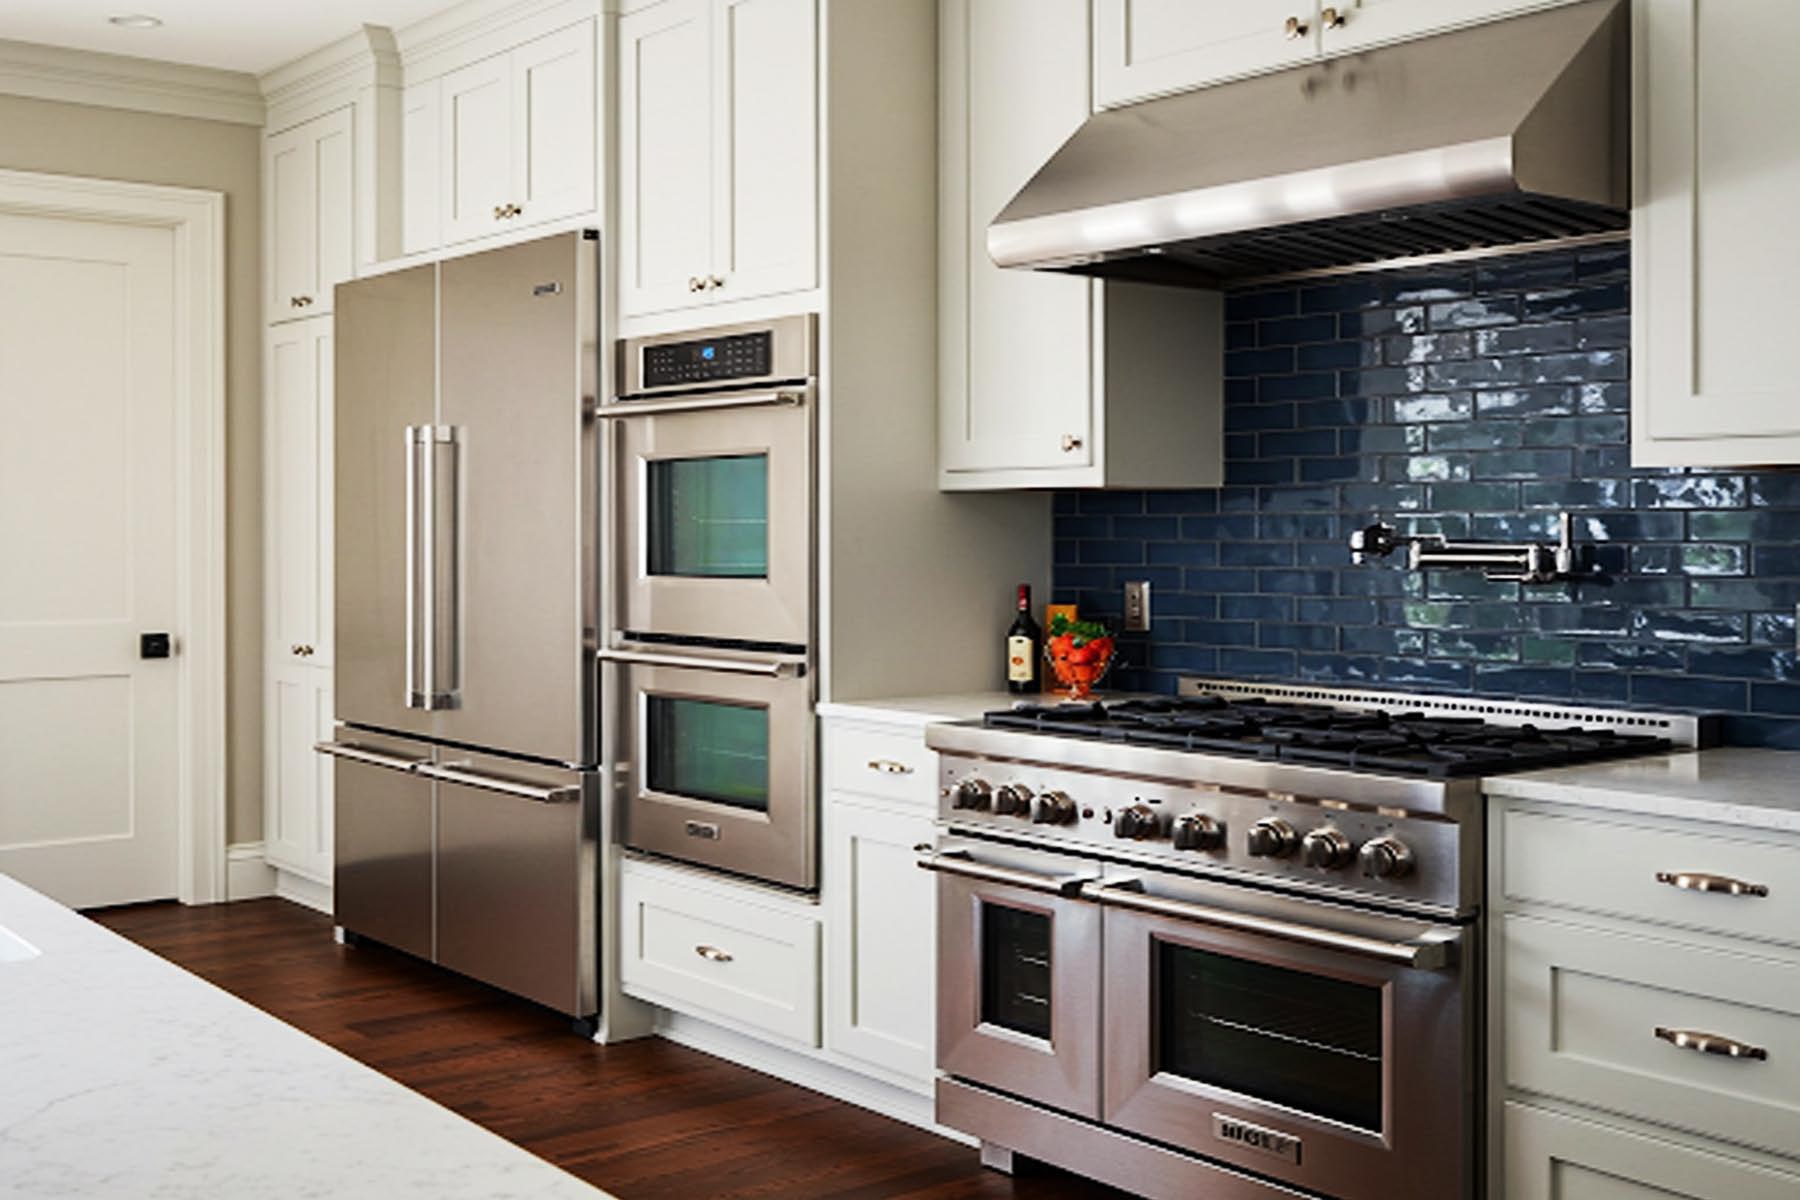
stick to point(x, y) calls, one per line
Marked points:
point(1256, 554)
point(1758, 662)
point(1775, 489)
point(1250, 305)
point(1298, 637)
point(1377, 322)
point(1209, 527)
point(1250, 364)
point(1183, 554)
point(1404, 350)
point(1334, 610)
point(1761, 526)
point(1542, 682)
point(1292, 331)
point(1454, 406)
point(1276, 470)
point(1745, 593)
point(1474, 312)
point(1683, 626)
point(1315, 385)
point(1576, 302)
point(1257, 608)
point(1338, 296)
point(1690, 491)
point(1684, 692)
point(1245, 418)
point(1297, 583)
point(1112, 552)
point(1274, 664)
point(1335, 356)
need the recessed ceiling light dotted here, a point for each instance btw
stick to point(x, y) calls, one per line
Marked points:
point(135, 21)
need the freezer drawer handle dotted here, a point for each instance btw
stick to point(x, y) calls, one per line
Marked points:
point(1711, 1043)
point(373, 758)
point(1699, 881)
point(774, 668)
point(492, 783)
point(652, 408)
point(1425, 954)
point(959, 862)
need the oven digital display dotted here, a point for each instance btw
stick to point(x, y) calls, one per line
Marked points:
point(707, 360)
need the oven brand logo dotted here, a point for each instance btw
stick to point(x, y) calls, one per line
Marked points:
point(1255, 1137)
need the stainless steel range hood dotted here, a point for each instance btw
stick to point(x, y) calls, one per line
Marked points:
point(1510, 132)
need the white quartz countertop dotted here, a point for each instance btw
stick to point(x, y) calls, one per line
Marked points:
point(122, 1075)
point(922, 710)
point(1758, 789)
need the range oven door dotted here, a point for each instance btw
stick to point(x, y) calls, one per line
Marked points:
point(716, 752)
point(1018, 973)
point(714, 499)
point(1327, 1047)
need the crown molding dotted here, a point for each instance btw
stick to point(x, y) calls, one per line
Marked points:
point(365, 58)
point(471, 30)
point(119, 81)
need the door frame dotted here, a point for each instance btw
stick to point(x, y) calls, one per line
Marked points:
point(197, 219)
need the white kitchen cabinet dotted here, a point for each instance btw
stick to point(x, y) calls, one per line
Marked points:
point(1554, 1156)
point(1147, 47)
point(1716, 158)
point(297, 476)
point(309, 241)
point(297, 801)
point(1051, 380)
point(1358, 24)
point(420, 156)
point(474, 125)
point(718, 152)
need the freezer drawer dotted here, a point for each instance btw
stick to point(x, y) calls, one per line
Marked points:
point(382, 873)
point(516, 877)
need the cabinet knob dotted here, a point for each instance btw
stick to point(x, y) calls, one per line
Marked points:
point(499, 212)
point(1070, 443)
point(299, 301)
point(1332, 18)
point(695, 283)
point(301, 651)
point(715, 281)
point(1296, 28)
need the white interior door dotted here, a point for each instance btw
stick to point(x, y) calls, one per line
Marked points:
point(88, 559)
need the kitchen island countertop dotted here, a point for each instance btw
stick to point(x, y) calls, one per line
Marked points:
point(1744, 786)
point(122, 1075)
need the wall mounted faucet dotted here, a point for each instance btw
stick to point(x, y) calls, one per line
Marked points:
point(1511, 562)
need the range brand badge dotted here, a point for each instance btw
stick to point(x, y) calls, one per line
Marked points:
point(1254, 1137)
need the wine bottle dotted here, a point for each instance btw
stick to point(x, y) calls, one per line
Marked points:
point(1024, 648)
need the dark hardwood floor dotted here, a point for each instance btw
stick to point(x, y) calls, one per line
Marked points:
point(644, 1120)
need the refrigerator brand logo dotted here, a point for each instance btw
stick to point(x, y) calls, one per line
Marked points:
point(703, 829)
point(1254, 1137)
point(547, 289)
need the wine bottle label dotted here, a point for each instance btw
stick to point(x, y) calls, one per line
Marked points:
point(1019, 665)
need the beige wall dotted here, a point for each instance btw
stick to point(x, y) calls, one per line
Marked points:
point(75, 139)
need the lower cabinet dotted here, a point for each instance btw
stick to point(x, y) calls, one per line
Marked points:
point(1553, 1156)
point(297, 794)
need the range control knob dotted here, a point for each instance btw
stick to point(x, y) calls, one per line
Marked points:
point(1140, 821)
point(973, 793)
point(1386, 858)
point(1272, 837)
point(1326, 849)
point(1054, 808)
point(1197, 831)
point(1013, 800)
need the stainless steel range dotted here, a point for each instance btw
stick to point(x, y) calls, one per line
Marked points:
point(1229, 944)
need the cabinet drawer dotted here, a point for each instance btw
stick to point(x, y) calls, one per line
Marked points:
point(892, 764)
point(1584, 1008)
point(1609, 867)
point(1550, 1156)
point(715, 949)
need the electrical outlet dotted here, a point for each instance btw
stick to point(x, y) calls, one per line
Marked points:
point(1137, 606)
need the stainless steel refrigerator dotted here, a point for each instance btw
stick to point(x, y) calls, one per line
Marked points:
point(466, 749)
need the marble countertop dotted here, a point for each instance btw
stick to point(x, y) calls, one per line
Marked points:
point(122, 1075)
point(920, 710)
point(1757, 789)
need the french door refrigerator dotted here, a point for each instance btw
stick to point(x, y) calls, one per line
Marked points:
point(466, 746)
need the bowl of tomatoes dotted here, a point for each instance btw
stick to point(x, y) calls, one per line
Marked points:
point(1079, 653)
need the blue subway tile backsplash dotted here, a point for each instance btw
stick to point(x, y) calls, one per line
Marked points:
point(1476, 401)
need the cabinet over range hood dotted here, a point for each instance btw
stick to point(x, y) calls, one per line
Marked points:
point(1510, 132)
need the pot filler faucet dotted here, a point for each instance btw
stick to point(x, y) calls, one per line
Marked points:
point(1515, 562)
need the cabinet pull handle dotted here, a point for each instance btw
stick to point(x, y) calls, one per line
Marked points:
point(888, 766)
point(1711, 1043)
point(712, 954)
point(1070, 443)
point(1296, 29)
point(302, 651)
point(1332, 18)
point(1699, 881)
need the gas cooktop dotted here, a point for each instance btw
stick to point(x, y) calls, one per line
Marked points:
point(1396, 741)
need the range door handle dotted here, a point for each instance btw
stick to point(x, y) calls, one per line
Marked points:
point(1425, 954)
point(619, 409)
point(961, 862)
point(453, 773)
point(773, 668)
point(371, 758)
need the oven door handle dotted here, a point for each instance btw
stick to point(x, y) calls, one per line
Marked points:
point(1425, 954)
point(620, 409)
point(774, 668)
point(961, 862)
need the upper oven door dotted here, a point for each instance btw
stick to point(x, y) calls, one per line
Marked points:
point(1328, 1047)
point(716, 518)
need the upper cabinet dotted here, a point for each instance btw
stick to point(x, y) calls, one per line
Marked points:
point(1149, 47)
point(718, 152)
point(509, 140)
point(1050, 380)
point(309, 171)
point(1713, 384)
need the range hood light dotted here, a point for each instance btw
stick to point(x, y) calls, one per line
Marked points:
point(135, 21)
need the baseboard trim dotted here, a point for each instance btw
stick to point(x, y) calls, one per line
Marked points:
point(303, 891)
point(803, 1070)
point(248, 875)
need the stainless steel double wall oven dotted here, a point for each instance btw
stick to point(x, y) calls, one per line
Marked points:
point(713, 451)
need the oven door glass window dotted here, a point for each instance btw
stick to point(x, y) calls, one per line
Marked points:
point(1015, 969)
point(709, 517)
point(1309, 1042)
point(708, 750)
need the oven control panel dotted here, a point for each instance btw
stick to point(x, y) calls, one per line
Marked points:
point(1312, 842)
point(707, 360)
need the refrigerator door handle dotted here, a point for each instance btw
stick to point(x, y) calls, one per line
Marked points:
point(433, 614)
point(373, 758)
point(453, 773)
point(446, 577)
point(415, 685)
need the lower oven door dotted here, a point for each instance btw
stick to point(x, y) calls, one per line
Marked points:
point(1327, 1047)
point(717, 755)
point(1018, 973)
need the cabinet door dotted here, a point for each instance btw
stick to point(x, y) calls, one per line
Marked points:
point(665, 155)
point(298, 482)
point(766, 149)
point(1550, 1156)
point(475, 118)
point(1363, 23)
point(310, 241)
point(881, 942)
point(297, 815)
point(1144, 47)
point(1017, 346)
point(420, 165)
point(1716, 154)
point(553, 125)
